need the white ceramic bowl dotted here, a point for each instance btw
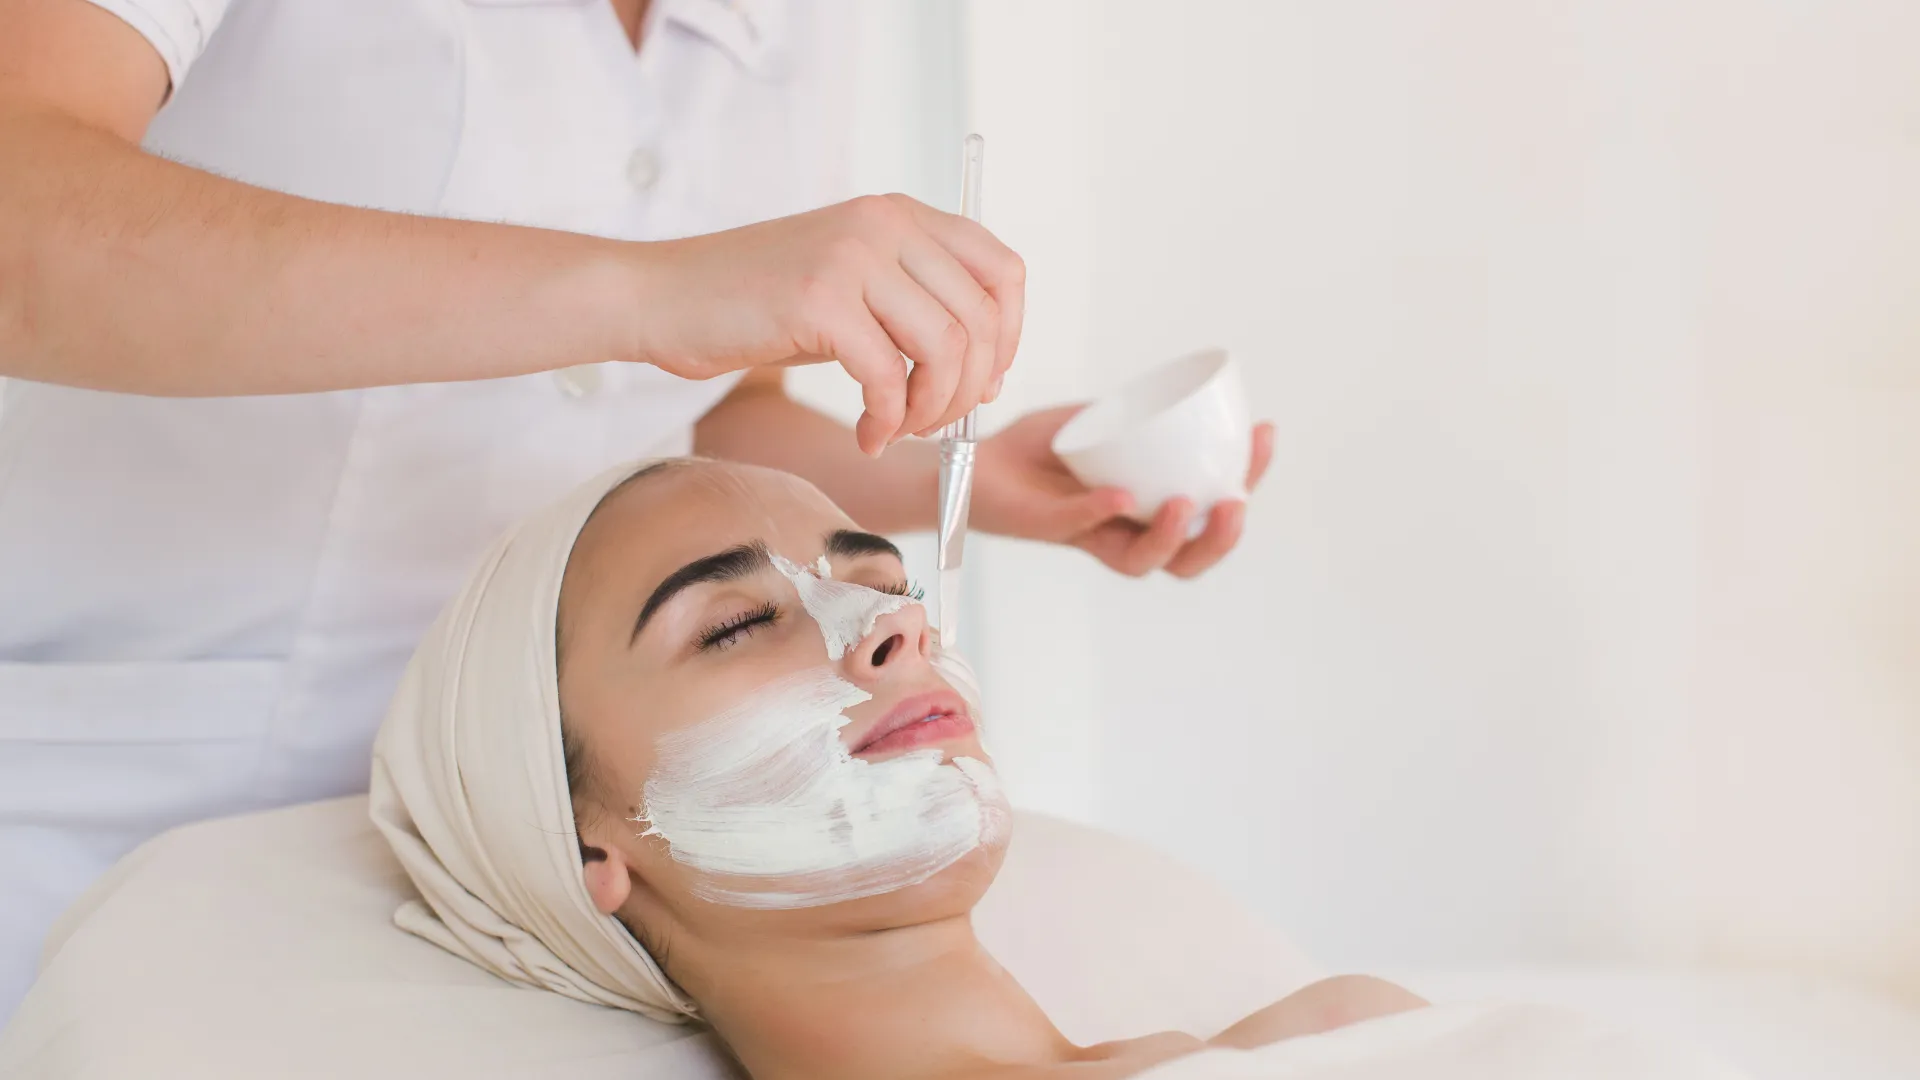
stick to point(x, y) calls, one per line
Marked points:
point(1182, 428)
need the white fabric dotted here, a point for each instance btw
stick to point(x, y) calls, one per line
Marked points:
point(1460, 1042)
point(177, 29)
point(264, 946)
point(470, 783)
point(207, 603)
point(1775, 1025)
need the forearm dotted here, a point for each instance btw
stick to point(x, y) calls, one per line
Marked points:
point(123, 271)
point(760, 425)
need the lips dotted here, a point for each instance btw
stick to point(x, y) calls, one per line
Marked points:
point(920, 720)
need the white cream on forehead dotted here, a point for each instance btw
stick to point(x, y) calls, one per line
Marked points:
point(767, 802)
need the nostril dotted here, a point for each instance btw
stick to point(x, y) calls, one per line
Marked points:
point(886, 649)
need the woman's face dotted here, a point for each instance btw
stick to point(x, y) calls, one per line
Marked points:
point(767, 742)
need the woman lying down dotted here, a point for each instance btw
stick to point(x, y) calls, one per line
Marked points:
point(685, 746)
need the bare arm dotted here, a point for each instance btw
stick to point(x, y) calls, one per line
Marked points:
point(122, 271)
point(760, 425)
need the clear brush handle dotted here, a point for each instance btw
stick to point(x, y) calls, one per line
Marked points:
point(957, 443)
point(956, 498)
point(973, 157)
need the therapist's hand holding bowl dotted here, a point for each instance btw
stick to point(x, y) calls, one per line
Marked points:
point(1146, 478)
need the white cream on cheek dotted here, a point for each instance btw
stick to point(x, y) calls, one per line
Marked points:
point(767, 800)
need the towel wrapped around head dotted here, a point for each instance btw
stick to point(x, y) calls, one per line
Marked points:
point(470, 785)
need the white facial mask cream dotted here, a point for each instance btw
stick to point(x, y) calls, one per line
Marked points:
point(846, 612)
point(766, 798)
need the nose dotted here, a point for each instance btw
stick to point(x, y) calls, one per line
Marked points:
point(899, 641)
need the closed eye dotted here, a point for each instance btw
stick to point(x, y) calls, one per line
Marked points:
point(732, 631)
point(908, 589)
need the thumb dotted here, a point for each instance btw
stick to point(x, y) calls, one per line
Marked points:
point(1077, 514)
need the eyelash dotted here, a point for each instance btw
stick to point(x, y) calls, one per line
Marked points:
point(727, 634)
point(908, 589)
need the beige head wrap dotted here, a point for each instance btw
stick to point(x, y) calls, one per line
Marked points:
point(470, 785)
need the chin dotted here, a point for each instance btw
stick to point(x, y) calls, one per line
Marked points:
point(951, 893)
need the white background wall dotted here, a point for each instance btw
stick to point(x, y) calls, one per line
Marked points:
point(1579, 621)
point(1580, 618)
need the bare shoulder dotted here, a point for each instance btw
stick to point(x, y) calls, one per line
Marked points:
point(1322, 1006)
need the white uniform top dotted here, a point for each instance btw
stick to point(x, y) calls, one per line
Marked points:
point(205, 604)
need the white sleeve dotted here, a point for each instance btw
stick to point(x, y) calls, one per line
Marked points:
point(177, 29)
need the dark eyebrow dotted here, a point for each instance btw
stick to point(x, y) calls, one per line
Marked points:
point(848, 543)
point(740, 561)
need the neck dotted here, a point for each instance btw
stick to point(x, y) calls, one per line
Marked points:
point(632, 15)
point(916, 1003)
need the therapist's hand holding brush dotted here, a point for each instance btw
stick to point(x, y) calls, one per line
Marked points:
point(859, 283)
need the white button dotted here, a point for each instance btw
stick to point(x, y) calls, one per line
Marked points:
point(579, 382)
point(643, 169)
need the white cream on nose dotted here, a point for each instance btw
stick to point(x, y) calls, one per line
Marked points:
point(846, 612)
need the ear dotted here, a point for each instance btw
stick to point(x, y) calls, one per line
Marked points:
point(604, 870)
